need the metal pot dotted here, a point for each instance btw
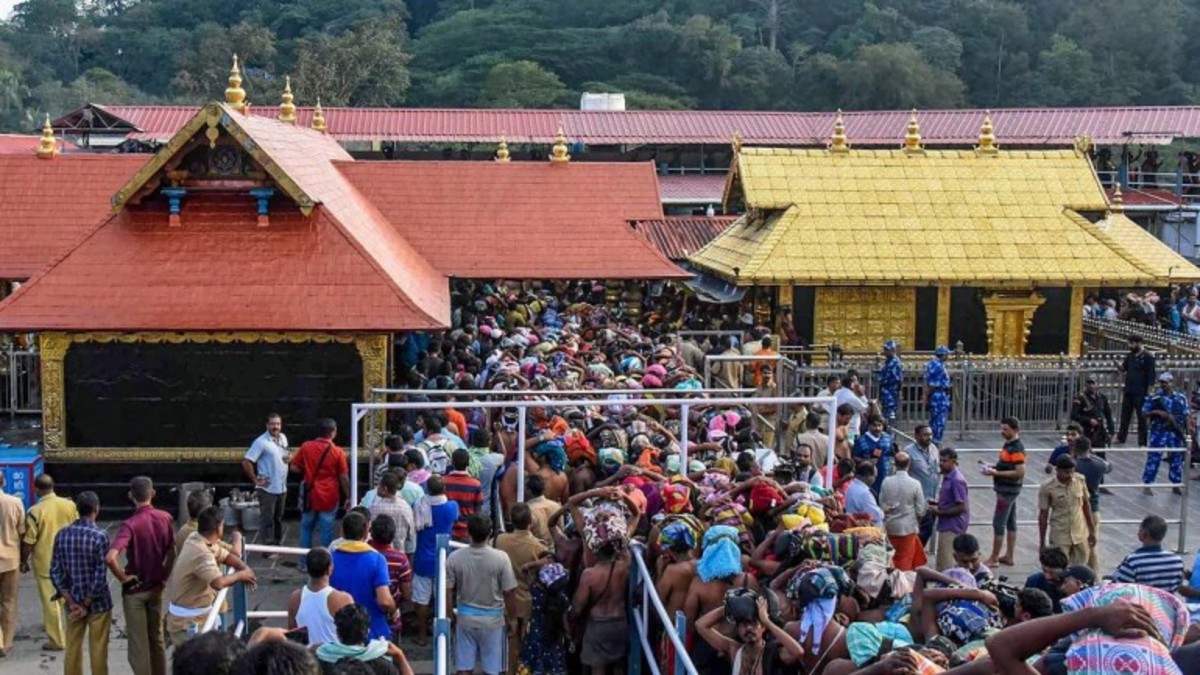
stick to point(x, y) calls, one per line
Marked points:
point(250, 514)
point(230, 514)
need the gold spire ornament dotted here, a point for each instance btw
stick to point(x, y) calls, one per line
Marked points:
point(837, 142)
point(318, 120)
point(1118, 202)
point(987, 137)
point(235, 96)
point(736, 142)
point(47, 147)
point(287, 109)
point(912, 135)
point(558, 154)
point(502, 150)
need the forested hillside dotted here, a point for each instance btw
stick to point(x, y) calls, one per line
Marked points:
point(754, 54)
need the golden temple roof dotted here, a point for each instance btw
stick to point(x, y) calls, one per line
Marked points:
point(944, 216)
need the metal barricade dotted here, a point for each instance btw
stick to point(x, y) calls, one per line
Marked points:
point(674, 629)
point(1181, 521)
point(20, 382)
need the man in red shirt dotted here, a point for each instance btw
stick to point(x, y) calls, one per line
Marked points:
point(467, 491)
point(148, 540)
point(325, 480)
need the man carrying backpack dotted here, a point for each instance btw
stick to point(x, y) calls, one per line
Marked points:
point(325, 483)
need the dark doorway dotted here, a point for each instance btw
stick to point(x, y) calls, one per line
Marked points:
point(1051, 327)
point(968, 320)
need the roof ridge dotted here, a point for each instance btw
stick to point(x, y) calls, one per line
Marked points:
point(1100, 234)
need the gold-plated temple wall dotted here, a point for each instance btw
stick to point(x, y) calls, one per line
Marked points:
point(1009, 317)
point(372, 349)
point(863, 318)
point(1075, 332)
point(943, 316)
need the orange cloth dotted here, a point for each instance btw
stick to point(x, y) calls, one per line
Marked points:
point(760, 366)
point(909, 553)
point(458, 420)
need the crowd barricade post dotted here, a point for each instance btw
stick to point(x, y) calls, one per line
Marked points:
point(674, 628)
point(1181, 522)
point(441, 622)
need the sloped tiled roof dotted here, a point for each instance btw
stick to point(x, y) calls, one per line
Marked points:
point(692, 189)
point(48, 205)
point(344, 268)
point(520, 219)
point(1014, 126)
point(955, 217)
point(218, 271)
point(677, 237)
point(1132, 240)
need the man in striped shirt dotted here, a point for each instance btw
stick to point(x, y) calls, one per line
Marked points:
point(1150, 565)
point(464, 490)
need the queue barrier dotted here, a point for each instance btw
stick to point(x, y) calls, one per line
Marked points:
point(673, 629)
point(1181, 521)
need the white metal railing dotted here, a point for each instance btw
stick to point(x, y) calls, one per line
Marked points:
point(359, 410)
point(441, 622)
point(671, 627)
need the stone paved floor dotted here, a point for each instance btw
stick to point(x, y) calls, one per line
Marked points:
point(277, 580)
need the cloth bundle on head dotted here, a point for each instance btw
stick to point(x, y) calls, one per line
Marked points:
point(579, 449)
point(611, 459)
point(677, 498)
point(815, 594)
point(649, 458)
point(604, 526)
point(726, 465)
point(677, 535)
point(721, 558)
point(550, 574)
point(870, 641)
point(554, 453)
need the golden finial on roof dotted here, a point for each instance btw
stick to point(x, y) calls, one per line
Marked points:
point(987, 136)
point(318, 120)
point(736, 142)
point(837, 143)
point(558, 154)
point(235, 96)
point(502, 150)
point(1083, 144)
point(47, 147)
point(912, 135)
point(1118, 202)
point(287, 109)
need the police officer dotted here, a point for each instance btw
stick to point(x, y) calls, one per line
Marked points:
point(890, 376)
point(1167, 411)
point(1138, 369)
point(937, 392)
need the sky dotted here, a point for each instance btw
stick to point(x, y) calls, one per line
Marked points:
point(6, 7)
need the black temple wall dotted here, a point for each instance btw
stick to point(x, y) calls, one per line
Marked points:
point(205, 395)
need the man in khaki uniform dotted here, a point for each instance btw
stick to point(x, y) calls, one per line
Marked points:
point(522, 548)
point(50, 514)
point(196, 576)
point(1065, 511)
point(12, 526)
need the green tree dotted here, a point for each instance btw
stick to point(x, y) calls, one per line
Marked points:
point(760, 79)
point(202, 72)
point(896, 76)
point(940, 47)
point(522, 84)
point(366, 66)
point(1065, 75)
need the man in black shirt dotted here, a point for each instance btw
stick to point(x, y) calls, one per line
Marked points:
point(1139, 372)
point(1091, 410)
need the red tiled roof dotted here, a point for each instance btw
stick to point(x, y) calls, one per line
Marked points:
point(520, 219)
point(1014, 126)
point(48, 205)
point(692, 189)
point(24, 144)
point(1143, 197)
point(342, 268)
point(218, 271)
point(677, 237)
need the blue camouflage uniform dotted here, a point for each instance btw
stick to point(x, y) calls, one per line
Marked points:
point(890, 377)
point(938, 381)
point(865, 448)
point(1164, 435)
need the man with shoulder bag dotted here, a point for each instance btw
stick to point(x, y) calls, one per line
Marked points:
point(324, 485)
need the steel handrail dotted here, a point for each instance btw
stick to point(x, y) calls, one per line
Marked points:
point(667, 623)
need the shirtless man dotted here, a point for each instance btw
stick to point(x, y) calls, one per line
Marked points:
point(599, 603)
point(720, 569)
point(679, 568)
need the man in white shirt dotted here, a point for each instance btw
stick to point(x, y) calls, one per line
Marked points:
point(852, 394)
point(903, 504)
point(266, 465)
